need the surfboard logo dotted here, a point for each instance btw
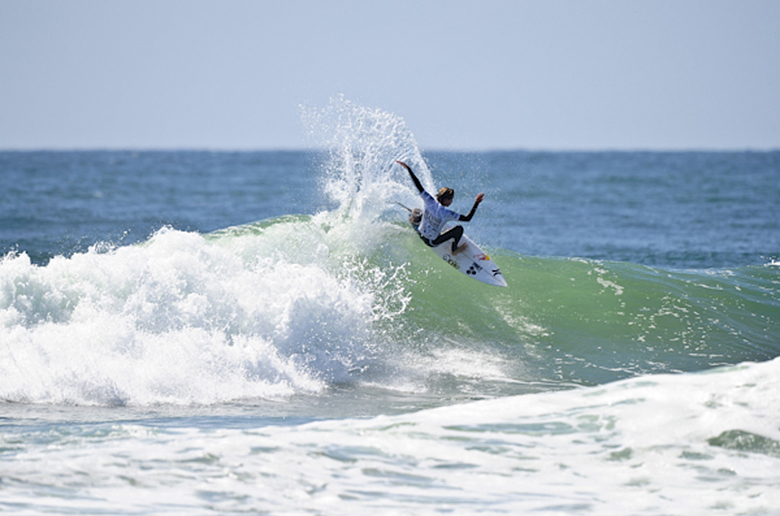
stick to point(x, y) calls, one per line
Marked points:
point(447, 258)
point(474, 269)
point(481, 257)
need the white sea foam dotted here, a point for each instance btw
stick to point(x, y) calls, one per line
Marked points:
point(666, 444)
point(185, 319)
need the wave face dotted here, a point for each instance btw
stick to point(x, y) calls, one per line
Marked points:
point(349, 298)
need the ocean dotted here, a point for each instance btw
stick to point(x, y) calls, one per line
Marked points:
point(211, 332)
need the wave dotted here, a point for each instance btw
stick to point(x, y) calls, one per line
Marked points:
point(300, 305)
point(349, 296)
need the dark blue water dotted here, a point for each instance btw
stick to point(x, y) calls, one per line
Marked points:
point(669, 209)
point(56, 203)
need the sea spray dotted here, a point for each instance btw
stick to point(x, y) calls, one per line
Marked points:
point(360, 174)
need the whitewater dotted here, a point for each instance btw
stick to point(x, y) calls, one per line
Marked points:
point(322, 360)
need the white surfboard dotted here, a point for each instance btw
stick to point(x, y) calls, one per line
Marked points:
point(472, 261)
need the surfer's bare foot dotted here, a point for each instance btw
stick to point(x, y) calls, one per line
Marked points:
point(462, 247)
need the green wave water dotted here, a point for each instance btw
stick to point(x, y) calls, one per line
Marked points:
point(562, 321)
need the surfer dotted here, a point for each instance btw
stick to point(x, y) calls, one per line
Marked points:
point(436, 214)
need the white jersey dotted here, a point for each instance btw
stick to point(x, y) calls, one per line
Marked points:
point(434, 217)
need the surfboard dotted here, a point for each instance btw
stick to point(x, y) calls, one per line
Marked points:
point(472, 261)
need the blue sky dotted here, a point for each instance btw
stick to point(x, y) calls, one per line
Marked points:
point(469, 75)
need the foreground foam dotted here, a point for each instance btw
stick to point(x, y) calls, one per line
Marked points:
point(667, 444)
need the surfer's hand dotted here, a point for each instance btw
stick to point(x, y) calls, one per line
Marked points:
point(403, 164)
point(480, 198)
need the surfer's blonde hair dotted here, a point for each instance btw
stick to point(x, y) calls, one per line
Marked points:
point(445, 192)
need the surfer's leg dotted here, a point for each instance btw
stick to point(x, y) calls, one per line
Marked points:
point(454, 233)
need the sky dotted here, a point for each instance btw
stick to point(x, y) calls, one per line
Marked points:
point(464, 75)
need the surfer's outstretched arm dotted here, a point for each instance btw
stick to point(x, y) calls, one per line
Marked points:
point(414, 177)
point(479, 199)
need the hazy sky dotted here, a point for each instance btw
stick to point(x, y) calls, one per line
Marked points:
point(463, 74)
